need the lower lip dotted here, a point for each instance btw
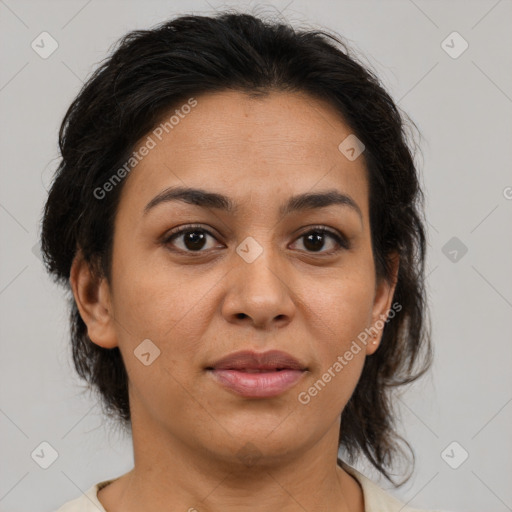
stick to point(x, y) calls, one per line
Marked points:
point(257, 385)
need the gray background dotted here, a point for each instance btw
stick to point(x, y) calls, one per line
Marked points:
point(463, 108)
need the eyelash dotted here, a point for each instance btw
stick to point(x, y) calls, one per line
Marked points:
point(339, 239)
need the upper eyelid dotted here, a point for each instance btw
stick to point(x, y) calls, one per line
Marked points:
point(318, 227)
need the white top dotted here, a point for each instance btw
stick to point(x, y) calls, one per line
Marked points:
point(376, 499)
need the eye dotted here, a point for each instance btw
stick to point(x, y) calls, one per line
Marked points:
point(194, 238)
point(314, 240)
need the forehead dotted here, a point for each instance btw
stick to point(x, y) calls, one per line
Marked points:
point(255, 148)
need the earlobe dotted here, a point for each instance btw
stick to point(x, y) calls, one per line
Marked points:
point(92, 297)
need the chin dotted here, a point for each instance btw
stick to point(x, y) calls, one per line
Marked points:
point(256, 443)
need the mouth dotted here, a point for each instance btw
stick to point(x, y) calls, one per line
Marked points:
point(257, 375)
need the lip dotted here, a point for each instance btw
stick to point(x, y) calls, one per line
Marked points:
point(257, 375)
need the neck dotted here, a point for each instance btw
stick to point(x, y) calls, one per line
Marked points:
point(169, 475)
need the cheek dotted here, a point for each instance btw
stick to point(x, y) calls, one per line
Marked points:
point(148, 306)
point(172, 309)
point(343, 308)
point(340, 358)
point(150, 300)
point(342, 311)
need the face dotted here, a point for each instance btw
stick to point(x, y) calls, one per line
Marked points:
point(202, 281)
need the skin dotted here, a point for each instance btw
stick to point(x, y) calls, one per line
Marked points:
point(188, 431)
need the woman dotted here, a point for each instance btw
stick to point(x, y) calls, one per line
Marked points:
point(237, 214)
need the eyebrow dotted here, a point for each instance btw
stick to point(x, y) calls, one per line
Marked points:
point(206, 199)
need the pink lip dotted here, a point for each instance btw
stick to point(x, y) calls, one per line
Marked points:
point(258, 375)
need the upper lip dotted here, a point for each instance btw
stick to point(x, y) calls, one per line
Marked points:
point(248, 360)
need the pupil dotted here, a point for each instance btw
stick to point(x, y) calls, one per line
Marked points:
point(194, 240)
point(316, 239)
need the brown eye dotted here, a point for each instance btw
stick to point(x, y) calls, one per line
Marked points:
point(314, 240)
point(193, 238)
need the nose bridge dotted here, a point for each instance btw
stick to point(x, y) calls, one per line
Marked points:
point(259, 287)
point(260, 265)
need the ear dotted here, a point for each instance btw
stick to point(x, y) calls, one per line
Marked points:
point(92, 297)
point(384, 291)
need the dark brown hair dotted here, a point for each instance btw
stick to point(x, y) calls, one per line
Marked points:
point(152, 71)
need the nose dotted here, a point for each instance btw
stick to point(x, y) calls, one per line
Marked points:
point(260, 293)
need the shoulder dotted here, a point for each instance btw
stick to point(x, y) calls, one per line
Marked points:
point(87, 502)
point(377, 499)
